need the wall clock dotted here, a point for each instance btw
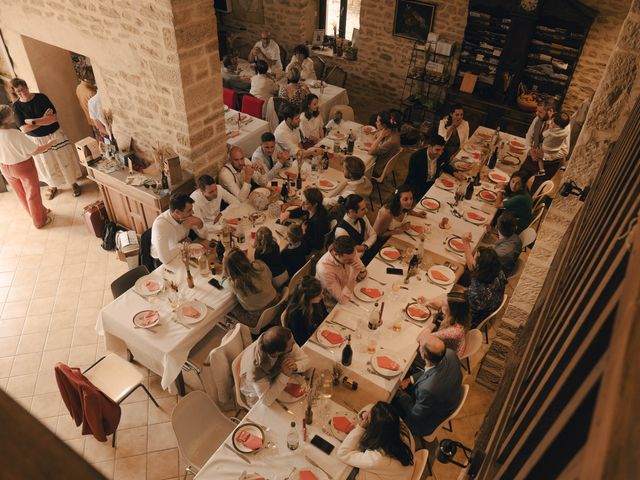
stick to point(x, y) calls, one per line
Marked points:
point(529, 5)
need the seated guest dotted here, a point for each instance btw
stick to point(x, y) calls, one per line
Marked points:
point(515, 198)
point(554, 148)
point(294, 91)
point(251, 282)
point(455, 131)
point(300, 60)
point(306, 310)
point(392, 216)
point(311, 123)
point(295, 253)
point(338, 271)
point(426, 399)
point(380, 446)
point(508, 246)
point(426, 165)
point(355, 182)
point(356, 225)
point(268, 158)
point(268, 364)
point(486, 289)
point(316, 219)
point(268, 251)
point(268, 51)
point(230, 76)
point(262, 86)
point(288, 134)
point(386, 143)
point(456, 320)
point(171, 227)
point(235, 176)
point(207, 200)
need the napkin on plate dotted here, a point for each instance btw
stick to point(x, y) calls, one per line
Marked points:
point(437, 275)
point(343, 424)
point(306, 475)
point(294, 389)
point(249, 440)
point(371, 292)
point(189, 311)
point(332, 337)
point(386, 363)
point(391, 254)
point(417, 312)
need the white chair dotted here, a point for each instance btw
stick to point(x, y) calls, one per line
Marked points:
point(473, 342)
point(283, 317)
point(117, 379)
point(420, 459)
point(515, 273)
point(528, 237)
point(267, 316)
point(200, 428)
point(347, 112)
point(537, 214)
point(235, 370)
point(465, 392)
point(483, 326)
point(545, 188)
point(377, 181)
point(297, 277)
point(199, 353)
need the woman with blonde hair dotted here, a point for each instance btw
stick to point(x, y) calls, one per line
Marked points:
point(19, 169)
point(268, 251)
point(251, 283)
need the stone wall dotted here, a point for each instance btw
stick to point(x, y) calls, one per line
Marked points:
point(616, 93)
point(155, 62)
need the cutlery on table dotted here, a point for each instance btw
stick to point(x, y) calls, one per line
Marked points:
point(149, 329)
point(387, 263)
point(188, 327)
point(479, 209)
point(378, 281)
point(316, 465)
point(434, 283)
point(359, 306)
point(415, 323)
point(409, 235)
point(288, 477)
point(351, 407)
point(243, 457)
point(285, 408)
point(372, 371)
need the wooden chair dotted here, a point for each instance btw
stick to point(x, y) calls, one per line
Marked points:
point(252, 106)
point(319, 66)
point(336, 76)
point(377, 181)
point(200, 428)
point(465, 392)
point(484, 324)
point(347, 112)
point(230, 98)
point(127, 280)
point(473, 342)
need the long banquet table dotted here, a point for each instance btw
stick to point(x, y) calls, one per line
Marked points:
point(251, 129)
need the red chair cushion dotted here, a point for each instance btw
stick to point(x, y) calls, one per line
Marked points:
point(252, 105)
point(230, 98)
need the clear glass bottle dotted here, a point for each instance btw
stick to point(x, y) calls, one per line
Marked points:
point(203, 264)
point(292, 437)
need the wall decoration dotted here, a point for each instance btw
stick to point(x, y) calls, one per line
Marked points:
point(413, 19)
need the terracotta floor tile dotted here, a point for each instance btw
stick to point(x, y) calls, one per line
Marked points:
point(131, 468)
point(163, 464)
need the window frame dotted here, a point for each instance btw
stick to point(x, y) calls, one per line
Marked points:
point(322, 17)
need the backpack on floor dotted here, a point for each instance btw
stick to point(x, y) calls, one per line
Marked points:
point(109, 237)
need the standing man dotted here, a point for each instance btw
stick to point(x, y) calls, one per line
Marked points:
point(426, 165)
point(36, 116)
point(267, 50)
point(235, 176)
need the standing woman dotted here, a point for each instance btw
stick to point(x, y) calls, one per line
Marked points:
point(36, 116)
point(18, 167)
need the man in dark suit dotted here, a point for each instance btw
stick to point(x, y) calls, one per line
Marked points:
point(426, 165)
point(425, 400)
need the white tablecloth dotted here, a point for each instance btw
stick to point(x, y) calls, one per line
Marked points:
point(277, 463)
point(250, 132)
point(165, 351)
point(361, 139)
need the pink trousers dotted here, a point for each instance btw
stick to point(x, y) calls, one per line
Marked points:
point(23, 178)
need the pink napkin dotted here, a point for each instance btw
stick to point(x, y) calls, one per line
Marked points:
point(249, 440)
point(294, 389)
point(387, 363)
point(189, 311)
point(152, 286)
point(332, 337)
point(343, 424)
point(475, 216)
point(307, 475)
point(392, 254)
point(457, 244)
point(371, 292)
point(417, 312)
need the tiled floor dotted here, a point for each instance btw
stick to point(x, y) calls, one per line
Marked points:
point(53, 282)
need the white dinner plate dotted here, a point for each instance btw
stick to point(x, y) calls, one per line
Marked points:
point(148, 285)
point(446, 183)
point(390, 254)
point(462, 165)
point(323, 341)
point(360, 295)
point(288, 174)
point(431, 204)
point(326, 184)
point(195, 250)
point(286, 397)
point(475, 217)
point(337, 135)
point(415, 317)
point(261, 191)
point(455, 243)
point(196, 305)
point(146, 318)
point(349, 415)
point(385, 371)
point(517, 144)
point(252, 428)
point(487, 195)
point(437, 270)
point(497, 176)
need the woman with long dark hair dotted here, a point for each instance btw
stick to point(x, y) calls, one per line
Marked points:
point(268, 251)
point(306, 309)
point(311, 122)
point(392, 216)
point(516, 198)
point(455, 322)
point(251, 283)
point(381, 446)
point(386, 143)
point(316, 219)
point(486, 290)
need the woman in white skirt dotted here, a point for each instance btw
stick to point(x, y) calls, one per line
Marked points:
point(36, 116)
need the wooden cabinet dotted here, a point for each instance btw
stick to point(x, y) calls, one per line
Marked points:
point(134, 208)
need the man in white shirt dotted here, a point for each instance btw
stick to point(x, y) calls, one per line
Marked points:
point(455, 130)
point(268, 364)
point(262, 86)
point(94, 106)
point(267, 50)
point(230, 76)
point(356, 225)
point(171, 227)
point(544, 110)
point(268, 158)
point(207, 201)
point(355, 182)
point(288, 134)
point(235, 176)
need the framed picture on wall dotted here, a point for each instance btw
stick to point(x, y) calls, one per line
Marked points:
point(318, 38)
point(413, 19)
